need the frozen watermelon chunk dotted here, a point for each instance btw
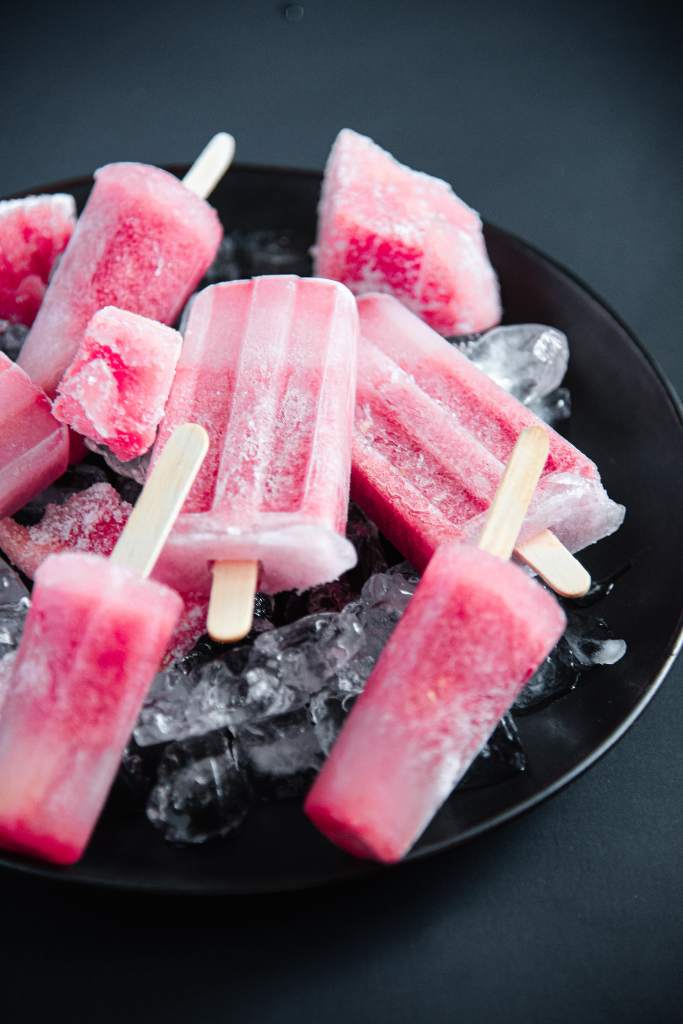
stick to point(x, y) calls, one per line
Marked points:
point(91, 522)
point(385, 227)
point(33, 232)
point(115, 390)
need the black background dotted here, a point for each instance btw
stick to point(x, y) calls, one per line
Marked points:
point(562, 123)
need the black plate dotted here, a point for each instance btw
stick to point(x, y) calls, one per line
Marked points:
point(628, 419)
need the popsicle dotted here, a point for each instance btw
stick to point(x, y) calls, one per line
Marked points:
point(115, 390)
point(34, 447)
point(384, 227)
point(94, 638)
point(34, 231)
point(142, 243)
point(474, 632)
point(268, 366)
point(431, 437)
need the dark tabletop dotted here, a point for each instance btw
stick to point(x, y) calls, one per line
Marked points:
point(560, 122)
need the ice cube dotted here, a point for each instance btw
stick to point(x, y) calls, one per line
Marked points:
point(200, 792)
point(12, 618)
point(587, 643)
point(306, 654)
point(327, 712)
point(281, 755)
point(553, 408)
point(185, 701)
point(528, 360)
point(591, 641)
point(383, 600)
point(139, 769)
point(190, 699)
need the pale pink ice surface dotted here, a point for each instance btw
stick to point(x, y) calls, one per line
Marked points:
point(91, 522)
point(116, 388)
point(473, 634)
point(93, 641)
point(34, 447)
point(384, 227)
point(142, 243)
point(268, 366)
point(33, 233)
point(433, 434)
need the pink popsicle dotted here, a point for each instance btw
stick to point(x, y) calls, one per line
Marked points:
point(268, 367)
point(34, 447)
point(116, 388)
point(384, 227)
point(142, 243)
point(432, 435)
point(474, 632)
point(33, 233)
point(94, 638)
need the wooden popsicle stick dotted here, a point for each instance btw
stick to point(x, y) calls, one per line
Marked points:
point(162, 498)
point(231, 605)
point(210, 165)
point(515, 491)
point(548, 557)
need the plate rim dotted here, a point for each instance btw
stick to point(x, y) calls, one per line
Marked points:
point(367, 868)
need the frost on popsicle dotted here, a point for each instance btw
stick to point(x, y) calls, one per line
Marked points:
point(34, 231)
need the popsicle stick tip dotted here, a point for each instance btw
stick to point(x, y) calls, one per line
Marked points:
point(192, 434)
point(231, 606)
point(515, 491)
point(211, 164)
point(556, 566)
point(162, 498)
point(538, 435)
